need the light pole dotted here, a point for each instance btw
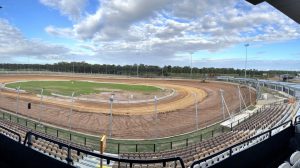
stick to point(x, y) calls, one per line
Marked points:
point(155, 111)
point(111, 100)
point(41, 106)
point(191, 65)
point(246, 47)
point(18, 92)
point(70, 113)
point(224, 105)
point(196, 110)
point(249, 86)
point(155, 107)
point(137, 65)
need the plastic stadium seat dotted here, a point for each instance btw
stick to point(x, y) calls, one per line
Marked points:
point(295, 157)
point(203, 165)
point(285, 165)
point(296, 165)
point(197, 166)
point(209, 162)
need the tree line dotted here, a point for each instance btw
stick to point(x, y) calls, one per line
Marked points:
point(141, 70)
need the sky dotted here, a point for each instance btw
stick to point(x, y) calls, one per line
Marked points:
point(206, 33)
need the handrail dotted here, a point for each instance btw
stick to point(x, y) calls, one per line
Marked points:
point(17, 134)
point(297, 120)
point(238, 144)
point(107, 158)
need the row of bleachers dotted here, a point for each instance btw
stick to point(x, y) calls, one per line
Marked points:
point(265, 119)
point(41, 145)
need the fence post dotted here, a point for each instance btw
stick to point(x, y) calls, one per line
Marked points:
point(84, 140)
point(136, 147)
point(26, 123)
point(118, 148)
point(70, 137)
point(57, 133)
point(34, 126)
point(171, 144)
point(154, 147)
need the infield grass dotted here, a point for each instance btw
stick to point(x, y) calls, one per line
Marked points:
point(79, 87)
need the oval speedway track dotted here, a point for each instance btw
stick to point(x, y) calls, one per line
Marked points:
point(176, 115)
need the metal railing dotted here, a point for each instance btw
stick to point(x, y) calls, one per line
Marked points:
point(230, 149)
point(28, 142)
point(13, 132)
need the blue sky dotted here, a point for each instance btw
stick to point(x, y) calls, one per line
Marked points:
point(157, 32)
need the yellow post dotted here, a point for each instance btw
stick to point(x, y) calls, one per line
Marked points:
point(102, 147)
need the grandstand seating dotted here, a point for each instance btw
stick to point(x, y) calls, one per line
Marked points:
point(41, 145)
point(265, 119)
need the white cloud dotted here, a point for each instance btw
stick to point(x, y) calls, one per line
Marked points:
point(71, 8)
point(13, 43)
point(156, 31)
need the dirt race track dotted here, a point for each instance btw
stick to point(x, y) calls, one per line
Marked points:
point(176, 114)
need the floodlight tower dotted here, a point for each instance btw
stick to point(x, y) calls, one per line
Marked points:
point(246, 48)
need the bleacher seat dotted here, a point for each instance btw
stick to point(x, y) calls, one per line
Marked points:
point(285, 165)
point(295, 157)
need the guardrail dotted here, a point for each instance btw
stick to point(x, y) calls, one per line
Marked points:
point(230, 149)
point(13, 132)
point(69, 160)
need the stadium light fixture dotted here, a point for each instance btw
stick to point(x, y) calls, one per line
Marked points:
point(246, 47)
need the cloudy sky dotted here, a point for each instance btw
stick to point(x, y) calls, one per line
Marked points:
point(156, 32)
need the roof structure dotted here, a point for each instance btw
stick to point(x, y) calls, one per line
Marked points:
point(288, 7)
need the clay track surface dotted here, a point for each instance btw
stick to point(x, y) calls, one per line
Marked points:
point(177, 114)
